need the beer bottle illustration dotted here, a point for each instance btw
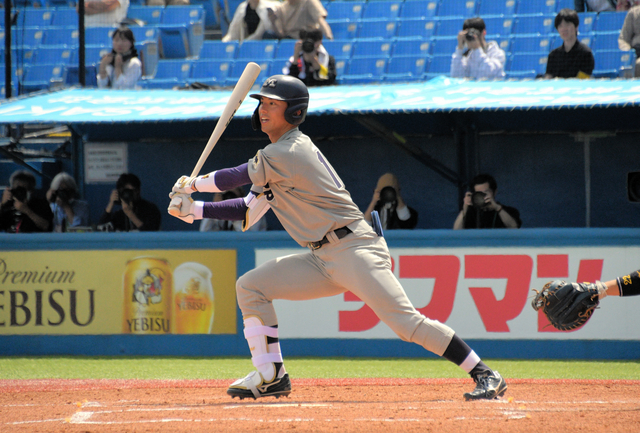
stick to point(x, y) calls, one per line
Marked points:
point(193, 299)
point(147, 296)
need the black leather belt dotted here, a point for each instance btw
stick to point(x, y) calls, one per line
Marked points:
point(340, 233)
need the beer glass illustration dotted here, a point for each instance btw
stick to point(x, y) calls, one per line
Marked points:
point(147, 296)
point(193, 300)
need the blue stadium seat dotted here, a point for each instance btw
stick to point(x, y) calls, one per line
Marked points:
point(142, 34)
point(210, 72)
point(55, 56)
point(605, 42)
point(170, 73)
point(504, 43)
point(93, 54)
point(212, 8)
point(99, 36)
point(71, 74)
point(610, 21)
point(150, 15)
point(439, 65)
point(65, 17)
point(343, 29)
point(526, 65)
point(421, 27)
point(22, 56)
point(406, 68)
point(175, 18)
point(414, 9)
point(565, 4)
point(497, 7)
point(614, 64)
point(284, 49)
point(367, 70)
point(149, 54)
point(498, 26)
point(29, 37)
point(39, 77)
point(175, 42)
point(239, 66)
point(219, 50)
point(34, 17)
point(381, 29)
point(345, 10)
point(65, 37)
point(587, 21)
point(532, 44)
point(411, 48)
point(534, 25)
point(339, 48)
point(256, 51)
point(444, 45)
point(449, 27)
point(382, 9)
point(372, 48)
point(457, 8)
point(536, 7)
point(586, 39)
point(341, 67)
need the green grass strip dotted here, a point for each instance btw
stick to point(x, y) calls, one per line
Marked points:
point(234, 368)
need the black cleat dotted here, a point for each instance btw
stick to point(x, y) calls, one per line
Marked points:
point(489, 385)
point(253, 386)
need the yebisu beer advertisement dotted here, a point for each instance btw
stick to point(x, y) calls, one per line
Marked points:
point(114, 292)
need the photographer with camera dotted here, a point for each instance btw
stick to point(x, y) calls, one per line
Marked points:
point(135, 214)
point(311, 62)
point(21, 210)
point(394, 213)
point(474, 57)
point(218, 225)
point(67, 210)
point(480, 210)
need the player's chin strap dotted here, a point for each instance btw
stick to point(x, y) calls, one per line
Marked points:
point(264, 355)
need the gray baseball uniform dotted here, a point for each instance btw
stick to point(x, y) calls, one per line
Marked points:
point(311, 202)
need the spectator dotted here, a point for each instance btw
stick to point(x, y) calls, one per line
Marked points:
point(625, 5)
point(572, 59)
point(296, 15)
point(104, 13)
point(394, 213)
point(121, 68)
point(311, 62)
point(251, 20)
point(595, 5)
point(168, 2)
point(216, 225)
point(481, 210)
point(480, 59)
point(630, 35)
point(67, 210)
point(136, 213)
point(21, 210)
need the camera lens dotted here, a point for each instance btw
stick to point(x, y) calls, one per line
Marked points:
point(19, 193)
point(308, 46)
point(387, 195)
point(477, 199)
point(472, 34)
point(126, 195)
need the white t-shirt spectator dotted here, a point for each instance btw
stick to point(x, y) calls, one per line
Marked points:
point(479, 64)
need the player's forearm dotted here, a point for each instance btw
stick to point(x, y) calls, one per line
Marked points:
point(224, 180)
point(233, 209)
point(459, 222)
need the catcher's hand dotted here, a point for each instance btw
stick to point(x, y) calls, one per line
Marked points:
point(181, 207)
point(568, 306)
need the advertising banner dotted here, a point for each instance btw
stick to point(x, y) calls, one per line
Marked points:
point(118, 292)
point(482, 293)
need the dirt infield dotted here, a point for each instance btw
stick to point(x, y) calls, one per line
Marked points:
point(340, 405)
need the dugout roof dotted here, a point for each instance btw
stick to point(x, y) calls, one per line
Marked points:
point(432, 107)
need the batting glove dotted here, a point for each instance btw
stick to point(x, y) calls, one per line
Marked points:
point(182, 207)
point(185, 185)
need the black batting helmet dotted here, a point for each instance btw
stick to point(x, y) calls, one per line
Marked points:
point(284, 88)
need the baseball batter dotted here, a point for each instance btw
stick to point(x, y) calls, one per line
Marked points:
point(292, 177)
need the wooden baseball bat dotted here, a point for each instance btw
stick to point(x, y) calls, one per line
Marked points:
point(245, 82)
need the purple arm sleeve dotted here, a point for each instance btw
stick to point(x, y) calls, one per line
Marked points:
point(233, 209)
point(229, 178)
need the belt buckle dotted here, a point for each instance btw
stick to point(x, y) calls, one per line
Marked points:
point(315, 245)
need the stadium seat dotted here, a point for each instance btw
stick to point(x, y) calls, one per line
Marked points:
point(372, 48)
point(175, 42)
point(366, 70)
point(457, 8)
point(448, 27)
point(27, 38)
point(175, 18)
point(406, 68)
point(523, 65)
point(210, 72)
point(239, 66)
point(341, 67)
point(444, 45)
point(40, 77)
point(610, 21)
point(414, 9)
point(614, 64)
point(587, 21)
point(411, 48)
point(536, 7)
point(93, 54)
point(284, 50)
point(64, 37)
point(421, 27)
point(55, 56)
point(498, 26)
point(439, 65)
point(170, 73)
point(534, 25)
point(149, 54)
point(212, 9)
point(605, 42)
point(257, 51)
point(70, 76)
point(586, 39)
point(565, 4)
point(339, 48)
point(99, 36)
point(345, 10)
point(65, 17)
point(488, 8)
point(149, 15)
point(532, 44)
point(378, 29)
point(343, 29)
point(381, 9)
point(34, 17)
point(219, 50)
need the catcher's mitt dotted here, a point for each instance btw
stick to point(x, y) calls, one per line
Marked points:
point(568, 306)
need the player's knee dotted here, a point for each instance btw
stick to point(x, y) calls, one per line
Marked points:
point(248, 292)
